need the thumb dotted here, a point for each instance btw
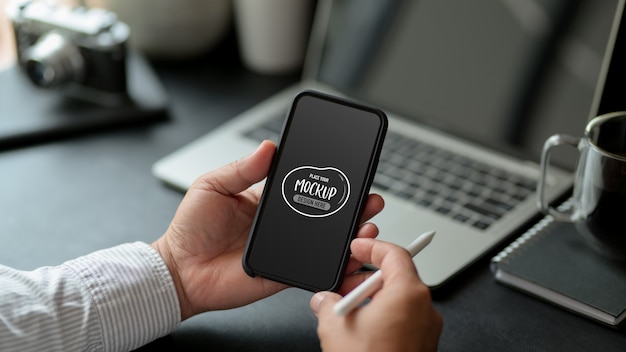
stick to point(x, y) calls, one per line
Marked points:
point(240, 174)
point(323, 302)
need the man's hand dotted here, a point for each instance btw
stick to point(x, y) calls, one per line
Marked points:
point(204, 243)
point(399, 317)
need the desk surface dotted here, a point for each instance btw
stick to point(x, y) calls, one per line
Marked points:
point(68, 198)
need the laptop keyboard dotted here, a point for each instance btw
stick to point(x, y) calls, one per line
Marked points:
point(461, 188)
point(464, 189)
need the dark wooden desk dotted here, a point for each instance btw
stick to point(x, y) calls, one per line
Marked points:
point(68, 198)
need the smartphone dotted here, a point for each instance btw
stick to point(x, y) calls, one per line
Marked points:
point(315, 192)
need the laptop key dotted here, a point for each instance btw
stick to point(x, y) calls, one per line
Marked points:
point(484, 209)
point(499, 204)
point(461, 217)
point(443, 209)
point(482, 225)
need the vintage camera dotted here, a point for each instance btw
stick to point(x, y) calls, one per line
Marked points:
point(78, 50)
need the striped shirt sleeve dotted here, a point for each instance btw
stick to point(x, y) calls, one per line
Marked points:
point(115, 299)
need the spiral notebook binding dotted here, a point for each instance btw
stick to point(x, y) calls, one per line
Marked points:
point(530, 235)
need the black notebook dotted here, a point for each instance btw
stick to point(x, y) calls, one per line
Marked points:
point(30, 115)
point(551, 261)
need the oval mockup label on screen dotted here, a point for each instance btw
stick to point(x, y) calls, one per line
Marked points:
point(316, 192)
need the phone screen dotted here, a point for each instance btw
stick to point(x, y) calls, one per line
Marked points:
point(315, 192)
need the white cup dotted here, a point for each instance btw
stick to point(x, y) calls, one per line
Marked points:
point(167, 29)
point(272, 34)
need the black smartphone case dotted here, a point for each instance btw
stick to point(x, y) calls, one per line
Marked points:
point(315, 192)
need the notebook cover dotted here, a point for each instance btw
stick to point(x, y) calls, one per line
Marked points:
point(553, 262)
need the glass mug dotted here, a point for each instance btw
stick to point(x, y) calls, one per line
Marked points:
point(599, 198)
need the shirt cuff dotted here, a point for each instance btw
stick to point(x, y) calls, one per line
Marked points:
point(134, 294)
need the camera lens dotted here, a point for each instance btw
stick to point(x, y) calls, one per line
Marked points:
point(39, 73)
point(53, 61)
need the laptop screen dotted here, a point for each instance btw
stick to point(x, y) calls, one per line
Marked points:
point(500, 73)
point(609, 95)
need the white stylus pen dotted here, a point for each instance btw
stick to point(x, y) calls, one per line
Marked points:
point(375, 282)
